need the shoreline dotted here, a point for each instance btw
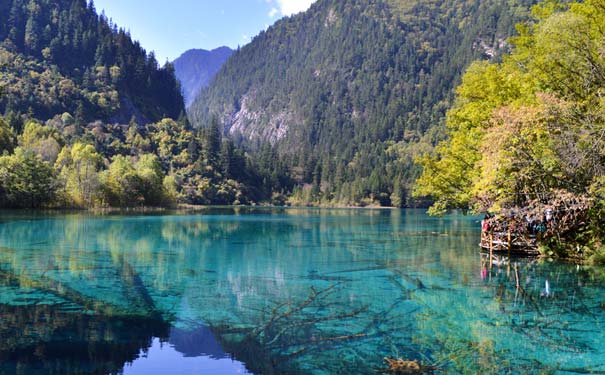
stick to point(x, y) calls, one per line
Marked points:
point(192, 207)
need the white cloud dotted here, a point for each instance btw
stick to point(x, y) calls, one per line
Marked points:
point(289, 7)
point(273, 12)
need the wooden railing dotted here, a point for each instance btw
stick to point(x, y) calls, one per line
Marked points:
point(509, 242)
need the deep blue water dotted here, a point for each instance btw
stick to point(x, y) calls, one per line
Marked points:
point(284, 291)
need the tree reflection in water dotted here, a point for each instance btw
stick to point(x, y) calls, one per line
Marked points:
point(287, 291)
point(42, 339)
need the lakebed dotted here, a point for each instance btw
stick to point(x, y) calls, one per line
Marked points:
point(284, 290)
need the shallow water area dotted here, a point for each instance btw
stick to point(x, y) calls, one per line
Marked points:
point(275, 290)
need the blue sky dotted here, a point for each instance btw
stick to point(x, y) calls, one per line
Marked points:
point(171, 27)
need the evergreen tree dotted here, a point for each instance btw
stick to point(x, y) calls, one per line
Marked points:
point(69, 43)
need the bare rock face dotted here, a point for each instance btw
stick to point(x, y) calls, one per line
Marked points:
point(257, 124)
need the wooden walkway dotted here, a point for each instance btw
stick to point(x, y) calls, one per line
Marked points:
point(509, 243)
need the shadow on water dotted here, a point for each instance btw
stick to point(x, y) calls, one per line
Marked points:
point(51, 328)
point(43, 339)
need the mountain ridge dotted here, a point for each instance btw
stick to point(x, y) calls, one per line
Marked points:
point(195, 68)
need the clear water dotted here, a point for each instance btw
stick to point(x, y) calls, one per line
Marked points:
point(285, 291)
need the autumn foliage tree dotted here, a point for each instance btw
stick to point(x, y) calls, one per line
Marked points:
point(532, 125)
point(27, 180)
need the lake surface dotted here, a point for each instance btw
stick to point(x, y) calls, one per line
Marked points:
point(285, 291)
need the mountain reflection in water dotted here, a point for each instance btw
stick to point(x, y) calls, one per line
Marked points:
point(45, 340)
point(274, 291)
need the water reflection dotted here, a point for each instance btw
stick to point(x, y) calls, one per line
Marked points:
point(524, 317)
point(43, 339)
point(163, 359)
point(286, 291)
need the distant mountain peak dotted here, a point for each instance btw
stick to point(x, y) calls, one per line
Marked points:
point(195, 69)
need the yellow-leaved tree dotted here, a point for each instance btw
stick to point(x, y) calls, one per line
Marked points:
point(531, 124)
point(532, 127)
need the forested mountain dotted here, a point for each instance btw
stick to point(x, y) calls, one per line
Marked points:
point(90, 119)
point(60, 56)
point(349, 92)
point(196, 68)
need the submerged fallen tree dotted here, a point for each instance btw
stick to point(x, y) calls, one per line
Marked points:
point(310, 332)
point(406, 367)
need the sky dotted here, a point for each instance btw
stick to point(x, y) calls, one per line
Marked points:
point(171, 27)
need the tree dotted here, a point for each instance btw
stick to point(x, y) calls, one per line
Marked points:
point(450, 172)
point(78, 168)
point(211, 144)
point(530, 126)
point(149, 170)
point(122, 186)
point(26, 180)
point(31, 28)
point(7, 138)
point(43, 140)
point(171, 190)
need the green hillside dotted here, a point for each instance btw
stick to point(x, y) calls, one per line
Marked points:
point(60, 56)
point(526, 135)
point(349, 92)
point(89, 119)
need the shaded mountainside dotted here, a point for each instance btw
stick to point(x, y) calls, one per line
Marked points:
point(196, 68)
point(60, 56)
point(349, 92)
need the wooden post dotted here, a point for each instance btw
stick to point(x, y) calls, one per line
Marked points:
point(510, 243)
point(491, 249)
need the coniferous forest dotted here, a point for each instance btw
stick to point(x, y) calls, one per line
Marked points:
point(61, 56)
point(360, 91)
point(350, 92)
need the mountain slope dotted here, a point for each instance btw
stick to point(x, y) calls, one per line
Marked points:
point(196, 68)
point(88, 119)
point(349, 91)
point(60, 56)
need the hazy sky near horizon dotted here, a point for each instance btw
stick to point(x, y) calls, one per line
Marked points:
point(171, 27)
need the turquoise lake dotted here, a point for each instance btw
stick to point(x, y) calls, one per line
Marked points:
point(285, 291)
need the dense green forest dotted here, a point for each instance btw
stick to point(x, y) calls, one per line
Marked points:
point(159, 164)
point(331, 106)
point(60, 56)
point(90, 119)
point(531, 128)
point(348, 93)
